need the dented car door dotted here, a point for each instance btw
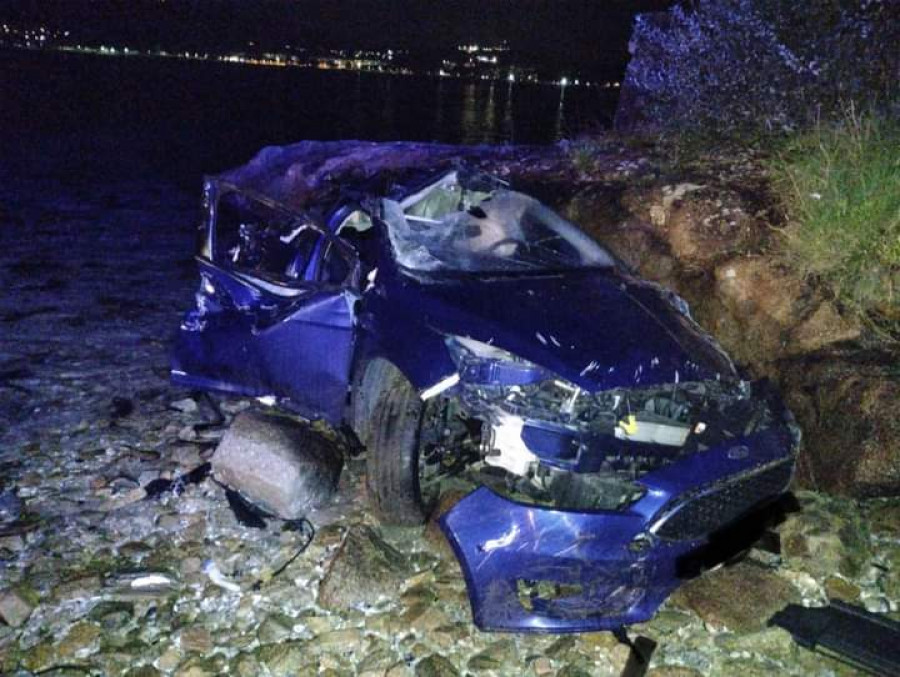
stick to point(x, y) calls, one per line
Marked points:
point(275, 308)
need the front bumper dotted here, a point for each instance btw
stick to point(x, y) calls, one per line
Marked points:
point(539, 569)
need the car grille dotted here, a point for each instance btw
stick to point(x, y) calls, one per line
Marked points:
point(715, 506)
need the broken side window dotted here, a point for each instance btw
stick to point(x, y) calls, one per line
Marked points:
point(335, 267)
point(262, 240)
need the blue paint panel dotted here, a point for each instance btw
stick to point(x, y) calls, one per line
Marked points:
point(502, 545)
point(595, 328)
point(255, 343)
point(314, 378)
point(551, 443)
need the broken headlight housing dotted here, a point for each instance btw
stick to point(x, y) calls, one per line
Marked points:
point(521, 388)
point(488, 365)
point(531, 431)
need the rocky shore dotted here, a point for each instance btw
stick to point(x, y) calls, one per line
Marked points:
point(99, 575)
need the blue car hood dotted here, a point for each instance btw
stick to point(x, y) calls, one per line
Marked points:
point(595, 327)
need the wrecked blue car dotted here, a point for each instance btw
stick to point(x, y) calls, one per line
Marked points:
point(480, 346)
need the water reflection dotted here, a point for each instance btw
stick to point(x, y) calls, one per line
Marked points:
point(387, 116)
point(222, 114)
point(490, 115)
point(470, 123)
point(560, 126)
point(508, 126)
point(438, 129)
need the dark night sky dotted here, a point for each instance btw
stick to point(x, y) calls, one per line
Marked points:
point(588, 34)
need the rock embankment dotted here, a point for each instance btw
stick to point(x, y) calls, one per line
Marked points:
point(708, 229)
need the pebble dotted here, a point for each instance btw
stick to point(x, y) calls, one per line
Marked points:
point(195, 639)
point(188, 405)
point(14, 608)
point(15, 543)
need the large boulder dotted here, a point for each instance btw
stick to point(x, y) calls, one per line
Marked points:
point(277, 463)
point(632, 111)
point(775, 311)
point(701, 222)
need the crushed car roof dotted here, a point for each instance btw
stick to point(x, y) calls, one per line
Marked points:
point(317, 174)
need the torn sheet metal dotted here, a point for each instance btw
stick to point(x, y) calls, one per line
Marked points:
point(255, 353)
point(536, 568)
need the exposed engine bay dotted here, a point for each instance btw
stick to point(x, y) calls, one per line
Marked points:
point(551, 443)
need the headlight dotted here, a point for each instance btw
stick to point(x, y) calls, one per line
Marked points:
point(484, 364)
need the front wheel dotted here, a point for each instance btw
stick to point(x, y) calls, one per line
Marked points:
point(394, 439)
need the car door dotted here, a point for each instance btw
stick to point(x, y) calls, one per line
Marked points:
point(274, 313)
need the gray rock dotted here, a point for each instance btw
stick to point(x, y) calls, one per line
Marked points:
point(771, 642)
point(112, 615)
point(435, 666)
point(286, 659)
point(196, 639)
point(188, 405)
point(187, 456)
point(245, 665)
point(494, 656)
point(673, 671)
point(14, 543)
point(275, 628)
point(824, 539)
point(143, 671)
point(283, 466)
point(199, 666)
point(14, 608)
point(364, 571)
point(377, 660)
point(574, 670)
point(740, 598)
point(81, 640)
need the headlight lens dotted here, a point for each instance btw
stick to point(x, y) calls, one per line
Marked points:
point(483, 364)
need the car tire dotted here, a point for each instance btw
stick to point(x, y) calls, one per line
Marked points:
point(393, 433)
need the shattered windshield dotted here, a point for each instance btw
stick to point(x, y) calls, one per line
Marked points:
point(449, 228)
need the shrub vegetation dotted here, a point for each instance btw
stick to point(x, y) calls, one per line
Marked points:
point(784, 73)
point(775, 65)
point(841, 189)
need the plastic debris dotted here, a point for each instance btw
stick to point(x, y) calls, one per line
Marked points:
point(151, 581)
point(139, 584)
point(865, 640)
point(211, 569)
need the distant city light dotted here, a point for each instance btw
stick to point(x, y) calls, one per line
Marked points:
point(471, 61)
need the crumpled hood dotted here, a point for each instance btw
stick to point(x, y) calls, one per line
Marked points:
point(597, 328)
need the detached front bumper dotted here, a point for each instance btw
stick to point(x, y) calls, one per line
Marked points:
point(539, 569)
